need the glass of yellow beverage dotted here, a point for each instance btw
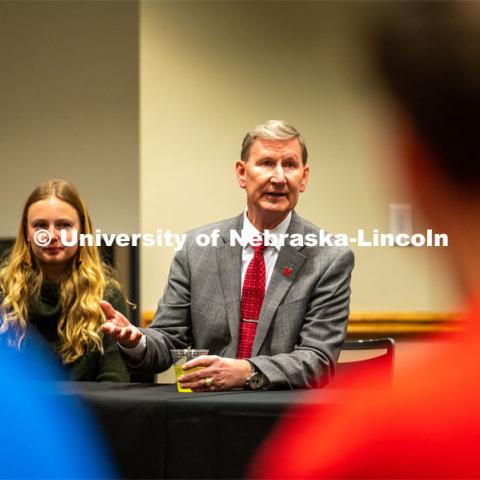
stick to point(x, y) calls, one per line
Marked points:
point(180, 357)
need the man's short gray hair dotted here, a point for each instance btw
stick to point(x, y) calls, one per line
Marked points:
point(272, 130)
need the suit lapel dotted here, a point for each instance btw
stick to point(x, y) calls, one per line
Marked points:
point(290, 258)
point(230, 272)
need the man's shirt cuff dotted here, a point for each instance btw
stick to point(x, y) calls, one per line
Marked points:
point(138, 352)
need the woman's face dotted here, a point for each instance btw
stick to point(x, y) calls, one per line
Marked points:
point(52, 215)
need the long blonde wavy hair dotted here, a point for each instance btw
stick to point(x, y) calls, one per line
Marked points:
point(82, 285)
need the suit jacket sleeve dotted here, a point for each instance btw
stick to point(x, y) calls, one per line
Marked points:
point(171, 326)
point(312, 362)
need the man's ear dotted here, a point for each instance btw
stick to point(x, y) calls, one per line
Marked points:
point(306, 176)
point(240, 173)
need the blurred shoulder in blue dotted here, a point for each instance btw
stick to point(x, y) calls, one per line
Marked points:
point(45, 433)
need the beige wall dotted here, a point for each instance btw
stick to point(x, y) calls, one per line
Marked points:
point(69, 106)
point(211, 71)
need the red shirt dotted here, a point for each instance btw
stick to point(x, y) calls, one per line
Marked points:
point(426, 426)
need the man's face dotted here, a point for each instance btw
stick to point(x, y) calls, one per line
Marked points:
point(273, 177)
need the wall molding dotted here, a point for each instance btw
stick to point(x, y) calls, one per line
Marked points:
point(394, 324)
point(405, 323)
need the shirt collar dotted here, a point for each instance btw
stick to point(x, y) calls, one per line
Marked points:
point(249, 231)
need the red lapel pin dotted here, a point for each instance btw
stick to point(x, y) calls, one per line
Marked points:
point(287, 272)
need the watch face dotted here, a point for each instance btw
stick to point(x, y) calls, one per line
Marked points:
point(256, 381)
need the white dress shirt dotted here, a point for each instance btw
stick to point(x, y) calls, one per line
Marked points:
point(270, 255)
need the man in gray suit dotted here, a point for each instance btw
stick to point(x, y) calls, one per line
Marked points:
point(271, 316)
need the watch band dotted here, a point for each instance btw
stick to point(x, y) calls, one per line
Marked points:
point(253, 370)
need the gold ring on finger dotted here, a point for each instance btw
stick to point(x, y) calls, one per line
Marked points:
point(208, 381)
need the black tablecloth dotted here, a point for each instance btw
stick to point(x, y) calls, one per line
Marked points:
point(156, 432)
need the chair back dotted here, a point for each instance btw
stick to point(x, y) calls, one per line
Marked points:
point(357, 357)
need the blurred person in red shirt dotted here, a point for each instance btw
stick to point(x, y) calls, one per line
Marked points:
point(428, 424)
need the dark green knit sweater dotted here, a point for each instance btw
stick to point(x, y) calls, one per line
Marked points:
point(93, 366)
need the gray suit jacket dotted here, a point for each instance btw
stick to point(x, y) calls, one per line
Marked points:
point(303, 319)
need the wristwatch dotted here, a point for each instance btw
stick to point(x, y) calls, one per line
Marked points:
point(256, 380)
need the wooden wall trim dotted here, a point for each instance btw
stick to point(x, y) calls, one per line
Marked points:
point(405, 323)
point(390, 323)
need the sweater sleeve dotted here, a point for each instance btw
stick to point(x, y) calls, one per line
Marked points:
point(114, 296)
point(111, 367)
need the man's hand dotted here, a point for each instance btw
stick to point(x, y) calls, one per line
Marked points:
point(119, 328)
point(218, 373)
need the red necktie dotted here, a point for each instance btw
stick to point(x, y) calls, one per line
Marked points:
point(253, 292)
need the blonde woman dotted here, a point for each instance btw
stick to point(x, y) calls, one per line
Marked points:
point(54, 291)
